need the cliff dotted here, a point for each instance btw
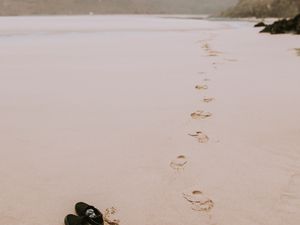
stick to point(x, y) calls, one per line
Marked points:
point(264, 8)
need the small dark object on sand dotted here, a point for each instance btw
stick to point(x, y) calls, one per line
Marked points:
point(74, 220)
point(260, 24)
point(284, 26)
point(93, 216)
point(87, 214)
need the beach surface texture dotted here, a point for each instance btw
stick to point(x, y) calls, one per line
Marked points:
point(153, 120)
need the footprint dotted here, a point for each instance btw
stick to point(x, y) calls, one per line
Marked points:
point(179, 162)
point(213, 53)
point(206, 47)
point(199, 202)
point(201, 87)
point(210, 52)
point(200, 136)
point(208, 99)
point(200, 114)
point(109, 217)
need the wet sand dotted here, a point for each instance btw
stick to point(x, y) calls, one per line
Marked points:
point(169, 121)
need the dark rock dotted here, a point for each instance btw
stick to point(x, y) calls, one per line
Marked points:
point(267, 29)
point(284, 26)
point(260, 24)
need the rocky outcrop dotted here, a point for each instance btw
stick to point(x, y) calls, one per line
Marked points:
point(264, 8)
point(260, 24)
point(284, 26)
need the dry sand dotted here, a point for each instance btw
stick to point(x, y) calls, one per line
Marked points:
point(98, 109)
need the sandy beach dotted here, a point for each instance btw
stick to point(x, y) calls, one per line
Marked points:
point(170, 121)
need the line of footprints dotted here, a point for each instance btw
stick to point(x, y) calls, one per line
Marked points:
point(196, 198)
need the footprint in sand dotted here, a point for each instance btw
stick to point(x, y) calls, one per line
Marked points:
point(210, 52)
point(208, 99)
point(109, 217)
point(200, 136)
point(213, 53)
point(198, 201)
point(201, 87)
point(179, 163)
point(200, 115)
point(206, 47)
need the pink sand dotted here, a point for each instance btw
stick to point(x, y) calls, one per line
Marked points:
point(95, 109)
